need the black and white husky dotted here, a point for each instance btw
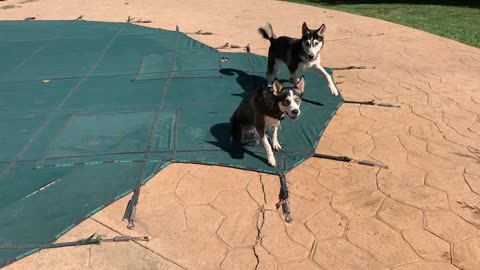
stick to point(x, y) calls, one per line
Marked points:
point(263, 109)
point(298, 54)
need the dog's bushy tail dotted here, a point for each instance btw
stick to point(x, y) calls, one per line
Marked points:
point(267, 32)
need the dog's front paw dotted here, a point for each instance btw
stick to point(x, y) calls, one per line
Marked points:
point(276, 146)
point(333, 89)
point(272, 161)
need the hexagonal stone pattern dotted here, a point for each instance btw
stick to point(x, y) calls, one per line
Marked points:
point(467, 205)
point(300, 234)
point(427, 266)
point(449, 226)
point(451, 182)
point(203, 218)
point(190, 249)
point(387, 129)
point(195, 191)
point(399, 215)
point(430, 162)
point(348, 178)
point(394, 153)
point(240, 259)
point(473, 182)
point(234, 201)
point(466, 254)
point(327, 224)
point(306, 265)
point(167, 180)
point(308, 209)
point(275, 239)
point(302, 182)
point(239, 229)
point(226, 177)
point(358, 204)
point(422, 197)
point(400, 177)
point(199, 186)
point(428, 245)
point(341, 254)
point(127, 257)
point(385, 244)
point(266, 260)
point(363, 149)
point(275, 245)
point(168, 211)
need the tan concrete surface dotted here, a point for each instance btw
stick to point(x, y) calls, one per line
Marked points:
point(422, 213)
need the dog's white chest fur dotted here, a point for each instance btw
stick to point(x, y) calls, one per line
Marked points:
point(271, 122)
point(302, 66)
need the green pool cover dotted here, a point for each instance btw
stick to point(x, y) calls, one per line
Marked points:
point(87, 108)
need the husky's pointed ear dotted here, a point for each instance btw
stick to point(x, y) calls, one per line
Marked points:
point(301, 85)
point(321, 30)
point(277, 87)
point(305, 29)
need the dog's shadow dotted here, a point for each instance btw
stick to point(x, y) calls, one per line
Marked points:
point(221, 132)
point(250, 82)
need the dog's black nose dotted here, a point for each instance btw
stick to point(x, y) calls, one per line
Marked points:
point(311, 56)
point(295, 112)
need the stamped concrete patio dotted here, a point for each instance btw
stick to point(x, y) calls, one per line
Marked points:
point(422, 213)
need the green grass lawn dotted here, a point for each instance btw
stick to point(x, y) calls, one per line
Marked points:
point(458, 22)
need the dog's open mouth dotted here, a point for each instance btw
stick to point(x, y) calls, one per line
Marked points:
point(293, 117)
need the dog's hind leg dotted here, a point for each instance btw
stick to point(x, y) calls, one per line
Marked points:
point(249, 134)
point(272, 70)
point(294, 77)
point(320, 70)
point(268, 149)
point(294, 70)
point(276, 144)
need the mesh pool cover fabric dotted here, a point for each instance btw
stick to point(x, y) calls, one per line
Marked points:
point(87, 108)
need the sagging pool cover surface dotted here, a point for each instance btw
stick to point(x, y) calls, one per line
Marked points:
point(87, 108)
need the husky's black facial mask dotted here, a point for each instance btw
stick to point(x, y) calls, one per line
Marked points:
point(312, 41)
point(289, 99)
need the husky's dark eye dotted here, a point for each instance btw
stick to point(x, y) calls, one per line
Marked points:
point(307, 42)
point(297, 100)
point(286, 102)
point(315, 43)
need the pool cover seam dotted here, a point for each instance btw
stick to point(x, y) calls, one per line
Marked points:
point(175, 132)
point(62, 103)
point(133, 153)
point(54, 140)
point(121, 75)
point(157, 112)
point(81, 37)
point(139, 106)
point(42, 47)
